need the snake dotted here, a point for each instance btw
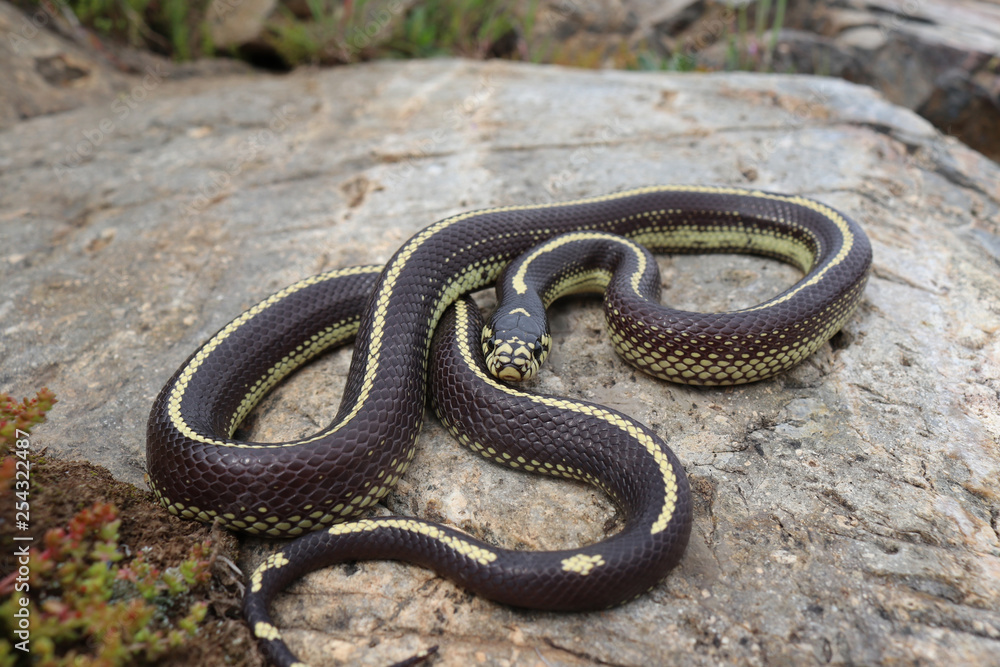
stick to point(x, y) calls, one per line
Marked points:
point(416, 334)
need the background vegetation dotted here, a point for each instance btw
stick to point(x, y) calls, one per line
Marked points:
point(329, 32)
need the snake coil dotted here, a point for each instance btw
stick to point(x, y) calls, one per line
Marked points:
point(313, 485)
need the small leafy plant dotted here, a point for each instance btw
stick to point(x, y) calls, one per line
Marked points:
point(756, 52)
point(15, 416)
point(79, 600)
point(87, 608)
point(168, 26)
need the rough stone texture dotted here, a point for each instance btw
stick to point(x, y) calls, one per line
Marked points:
point(845, 513)
point(51, 64)
point(940, 58)
point(45, 74)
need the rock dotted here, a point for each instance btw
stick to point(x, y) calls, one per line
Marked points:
point(281, 36)
point(847, 512)
point(234, 23)
point(592, 33)
point(671, 18)
point(44, 74)
point(863, 38)
point(937, 57)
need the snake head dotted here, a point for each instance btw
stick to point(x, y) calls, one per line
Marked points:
point(515, 345)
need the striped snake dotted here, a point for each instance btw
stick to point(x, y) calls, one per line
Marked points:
point(318, 484)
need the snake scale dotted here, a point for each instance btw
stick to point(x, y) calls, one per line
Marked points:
point(318, 485)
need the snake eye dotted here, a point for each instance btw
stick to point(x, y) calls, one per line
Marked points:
point(537, 352)
point(489, 345)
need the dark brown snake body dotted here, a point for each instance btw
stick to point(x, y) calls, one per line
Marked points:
point(282, 489)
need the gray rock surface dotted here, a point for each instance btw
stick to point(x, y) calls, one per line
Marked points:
point(51, 64)
point(45, 74)
point(845, 513)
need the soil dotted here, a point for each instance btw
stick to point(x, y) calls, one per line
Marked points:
point(60, 489)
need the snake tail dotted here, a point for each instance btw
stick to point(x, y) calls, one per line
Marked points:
point(546, 435)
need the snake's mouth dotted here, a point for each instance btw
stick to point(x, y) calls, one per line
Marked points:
point(510, 363)
point(510, 374)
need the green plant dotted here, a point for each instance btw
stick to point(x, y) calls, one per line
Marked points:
point(369, 29)
point(175, 12)
point(296, 41)
point(646, 60)
point(763, 8)
point(22, 416)
point(744, 52)
point(80, 604)
point(471, 28)
point(117, 17)
point(331, 32)
point(88, 609)
point(163, 25)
